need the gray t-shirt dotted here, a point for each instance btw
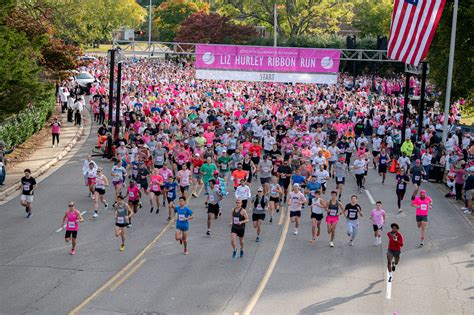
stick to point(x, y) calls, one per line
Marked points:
point(265, 168)
point(260, 207)
point(159, 156)
point(214, 196)
point(340, 169)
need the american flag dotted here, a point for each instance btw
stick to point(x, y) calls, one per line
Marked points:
point(413, 27)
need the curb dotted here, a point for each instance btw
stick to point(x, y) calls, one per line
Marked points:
point(48, 165)
point(442, 189)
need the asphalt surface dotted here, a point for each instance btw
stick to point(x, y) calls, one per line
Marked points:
point(38, 275)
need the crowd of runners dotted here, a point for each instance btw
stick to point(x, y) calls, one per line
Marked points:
point(271, 147)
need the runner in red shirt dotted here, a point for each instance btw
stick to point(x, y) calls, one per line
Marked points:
point(255, 150)
point(198, 184)
point(395, 244)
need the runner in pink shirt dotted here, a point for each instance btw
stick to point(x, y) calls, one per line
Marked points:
point(378, 219)
point(423, 204)
point(134, 195)
point(71, 220)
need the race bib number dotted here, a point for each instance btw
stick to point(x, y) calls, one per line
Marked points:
point(259, 207)
point(401, 186)
point(211, 198)
point(26, 187)
point(265, 169)
point(170, 194)
point(120, 220)
point(224, 166)
point(417, 177)
point(333, 213)
point(352, 215)
point(424, 207)
point(159, 159)
point(180, 162)
point(339, 179)
point(196, 170)
point(236, 220)
point(138, 185)
point(181, 217)
point(71, 224)
point(383, 162)
point(131, 194)
point(283, 175)
point(155, 187)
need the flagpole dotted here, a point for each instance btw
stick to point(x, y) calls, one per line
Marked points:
point(447, 100)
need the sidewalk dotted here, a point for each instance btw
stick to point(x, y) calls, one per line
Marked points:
point(45, 156)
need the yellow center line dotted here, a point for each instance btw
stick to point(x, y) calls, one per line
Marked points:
point(78, 308)
point(256, 296)
point(282, 215)
point(131, 272)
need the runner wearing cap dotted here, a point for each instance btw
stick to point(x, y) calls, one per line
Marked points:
point(395, 244)
point(340, 171)
point(417, 172)
point(213, 208)
point(238, 175)
point(259, 205)
point(71, 220)
point(423, 204)
point(28, 186)
point(183, 215)
point(276, 192)
point(122, 216)
point(318, 206)
point(383, 160)
point(101, 182)
point(296, 199)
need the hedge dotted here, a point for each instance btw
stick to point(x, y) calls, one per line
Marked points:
point(324, 41)
point(17, 128)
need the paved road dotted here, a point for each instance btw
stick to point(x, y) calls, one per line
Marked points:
point(42, 278)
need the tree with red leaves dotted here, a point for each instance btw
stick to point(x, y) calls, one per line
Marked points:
point(213, 28)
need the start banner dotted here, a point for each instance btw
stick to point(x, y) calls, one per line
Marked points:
point(278, 64)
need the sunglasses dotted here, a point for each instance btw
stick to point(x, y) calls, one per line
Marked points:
point(71, 205)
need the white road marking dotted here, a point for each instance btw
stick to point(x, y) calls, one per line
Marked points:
point(389, 288)
point(369, 195)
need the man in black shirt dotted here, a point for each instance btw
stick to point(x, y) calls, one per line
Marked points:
point(27, 186)
point(284, 176)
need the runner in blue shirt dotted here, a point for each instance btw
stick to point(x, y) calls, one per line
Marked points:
point(170, 187)
point(311, 187)
point(183, 215)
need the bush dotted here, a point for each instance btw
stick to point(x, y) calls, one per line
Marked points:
point(327, 41)
point(16, 129)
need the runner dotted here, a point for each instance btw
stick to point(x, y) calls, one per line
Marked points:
point(276, 192)
point(238, 175)
point(156, 182)
point(295, 202)
point(395, 244)
point(183, 215)
point(341, 170)
point(165, 173)
point(353, 210)
point(259, 206)
point(28, 186)
point(318, 205)
point(122, 216)
point(322, 175)
point(284, 176)
point(359, 171)
point(71, 220)
point(378, 220)
point(91, 175)
point(118, 176)
point(134, 195)
point(213, 207)
point(170, 188)
point(332, 216)
point(417, 172)
point(383, 160)
point(184, 179)
point(198, 185)
point(423, 204)
point(265, 168)
point(402, 182)
point(100, 182)
point(207, 170)
point(243, 193)
point(238, 219)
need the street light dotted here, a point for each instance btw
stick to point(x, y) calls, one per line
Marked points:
point(120, 59)
point(111, 58)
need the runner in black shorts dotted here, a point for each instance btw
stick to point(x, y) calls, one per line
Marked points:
point(383, 162)
point(259, 205)
point(402, 181)
point(239, 218)
point(395, 244)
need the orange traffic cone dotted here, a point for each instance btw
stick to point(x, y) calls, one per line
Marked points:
point(393, 166)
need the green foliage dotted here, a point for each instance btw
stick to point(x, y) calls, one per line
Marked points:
point(17, 128)
point(170, 14)
point(213, 29)
point(373, 18)
point(317, 41)
point(463, 71)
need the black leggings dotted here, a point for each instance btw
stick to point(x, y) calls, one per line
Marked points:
point(458, 188)
point(359, 179)
point(400, 195)
point(56, 136)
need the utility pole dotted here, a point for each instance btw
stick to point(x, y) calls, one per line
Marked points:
point(405, 106)
point(422, 100)
point(120, 58)
point(149, 24)
point(111, 85)
point(447, 100)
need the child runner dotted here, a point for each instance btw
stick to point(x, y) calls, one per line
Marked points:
point(183, 215)
point(170, 187)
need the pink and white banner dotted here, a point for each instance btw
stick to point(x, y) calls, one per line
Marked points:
point(280, 64)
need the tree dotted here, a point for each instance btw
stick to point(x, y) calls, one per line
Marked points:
point(463, 71)
point(170, 14)
point(295, 17)
point(372, 18)
point(213, 29)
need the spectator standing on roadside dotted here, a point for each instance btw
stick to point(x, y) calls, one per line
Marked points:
point(63, 96)
point(3, 161)
point(70, 107)
point(78, 108)
point(55, 130)
point(469, 190)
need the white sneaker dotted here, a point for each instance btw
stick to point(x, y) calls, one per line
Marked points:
point(106, 206)
point(95, 215)
point(331, 244)
point(351, 243)
point(464, 208)
point(295, 232)
point(380, 240)
point(376, 243)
